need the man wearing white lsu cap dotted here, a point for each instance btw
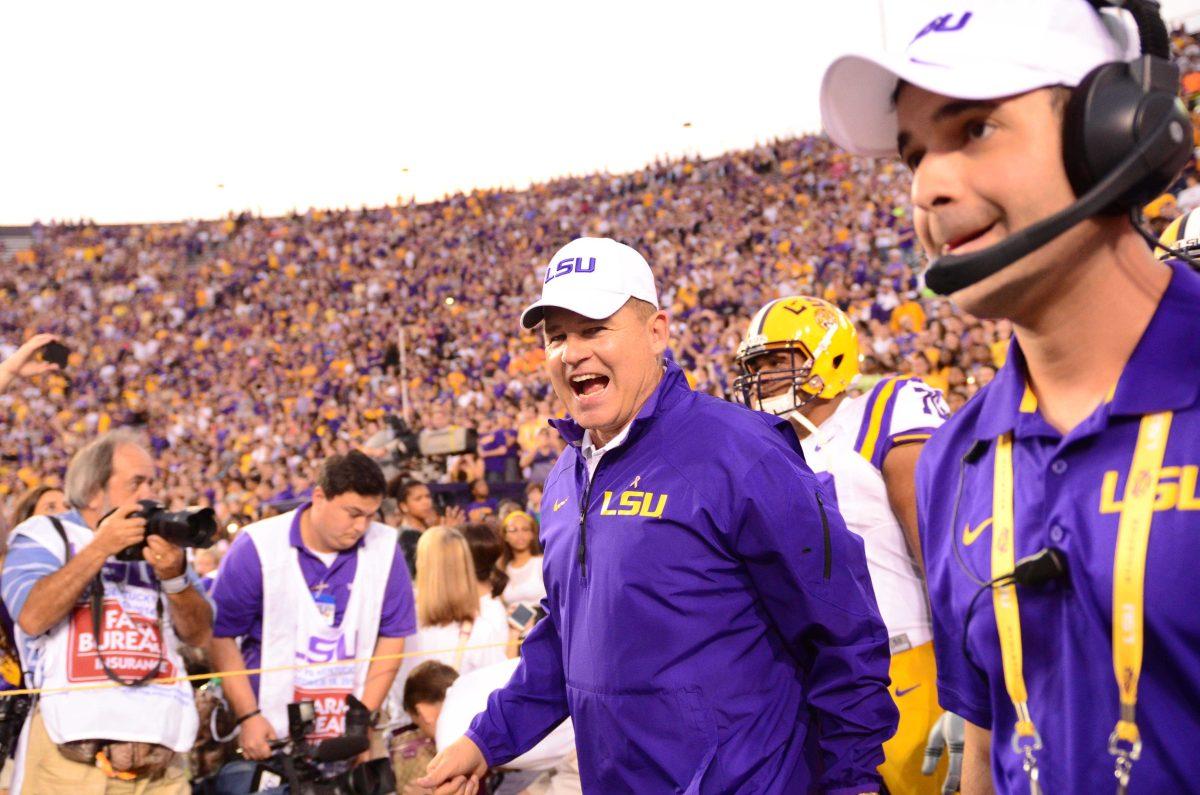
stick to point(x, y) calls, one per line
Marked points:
point(706, 606)
point(1002, 111)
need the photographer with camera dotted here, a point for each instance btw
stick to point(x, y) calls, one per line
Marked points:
point(318, 584)
point(65, 575)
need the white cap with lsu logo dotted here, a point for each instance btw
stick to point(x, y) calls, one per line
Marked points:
point(593, 277)
point(980, 49)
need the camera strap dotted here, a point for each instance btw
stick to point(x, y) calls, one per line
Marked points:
point(97, 619)
point(97, 605)
point(1129, 580)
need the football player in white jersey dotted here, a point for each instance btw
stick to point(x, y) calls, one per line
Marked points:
point(799, 358)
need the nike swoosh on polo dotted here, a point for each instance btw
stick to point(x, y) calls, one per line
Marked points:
point(560, 503)
point(906, 690)
point(970, 535)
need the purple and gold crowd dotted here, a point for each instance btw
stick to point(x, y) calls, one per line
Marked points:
point(249, 349)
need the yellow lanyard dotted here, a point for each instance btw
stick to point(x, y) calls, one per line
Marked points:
point(1129, 577)
point(1129, 581)
point(1008, 617)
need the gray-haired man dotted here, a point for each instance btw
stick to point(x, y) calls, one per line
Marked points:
point(103, 738)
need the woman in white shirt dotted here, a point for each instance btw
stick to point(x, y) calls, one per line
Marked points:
point(522, 561)
point(450, 621)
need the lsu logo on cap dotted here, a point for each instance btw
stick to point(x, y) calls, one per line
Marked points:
point(946, 23)
point(569, 265)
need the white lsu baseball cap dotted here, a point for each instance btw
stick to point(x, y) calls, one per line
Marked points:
point(986, 49)
point(593, 277)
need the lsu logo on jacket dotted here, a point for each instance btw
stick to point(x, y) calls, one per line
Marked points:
point(646, 504)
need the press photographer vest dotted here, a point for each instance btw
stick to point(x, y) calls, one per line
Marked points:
point(294, 631)
point(130, 639)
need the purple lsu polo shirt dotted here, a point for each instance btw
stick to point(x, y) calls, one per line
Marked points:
point(1068, 494)
point(238, 594)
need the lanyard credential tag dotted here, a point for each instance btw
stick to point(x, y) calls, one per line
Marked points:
point(326, 606)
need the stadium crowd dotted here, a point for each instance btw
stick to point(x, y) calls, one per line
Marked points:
point(250, 348)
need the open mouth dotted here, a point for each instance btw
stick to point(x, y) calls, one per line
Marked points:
point(588, 384)
point(964, 240)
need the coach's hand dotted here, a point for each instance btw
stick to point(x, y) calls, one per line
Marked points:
point(947, 734)
point(456, 770)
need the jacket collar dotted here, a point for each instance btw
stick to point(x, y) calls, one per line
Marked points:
point(1159, 376)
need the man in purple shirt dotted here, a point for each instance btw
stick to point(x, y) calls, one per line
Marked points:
point(356, 601)
point(497, 448)
point(1057, 509)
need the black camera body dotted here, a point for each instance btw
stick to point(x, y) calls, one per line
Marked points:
point(13, 712)
point(191, 527)
point(310, 769)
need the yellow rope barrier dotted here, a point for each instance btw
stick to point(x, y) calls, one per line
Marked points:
point(170, 680)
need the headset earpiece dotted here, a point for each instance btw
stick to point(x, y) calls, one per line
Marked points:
point(1114, 107)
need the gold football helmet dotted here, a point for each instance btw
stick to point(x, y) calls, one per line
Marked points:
point(822, 355)
point(1182, 235)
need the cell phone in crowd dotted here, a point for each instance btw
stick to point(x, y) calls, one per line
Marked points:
point(55, 353)
point(521, 617)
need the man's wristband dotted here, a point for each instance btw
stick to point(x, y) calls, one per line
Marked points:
point(247, 717)
point(176, 584)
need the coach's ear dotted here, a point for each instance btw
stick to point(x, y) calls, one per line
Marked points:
point(659, 327)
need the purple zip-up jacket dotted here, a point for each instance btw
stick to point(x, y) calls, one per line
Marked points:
point(706, 611)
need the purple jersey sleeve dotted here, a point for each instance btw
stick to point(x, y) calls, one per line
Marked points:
point(238, 594)
point(399, 617)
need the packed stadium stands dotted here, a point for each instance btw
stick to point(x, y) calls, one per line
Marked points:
point(250, 348)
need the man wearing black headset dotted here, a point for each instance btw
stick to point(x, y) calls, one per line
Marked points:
point(1066, 633)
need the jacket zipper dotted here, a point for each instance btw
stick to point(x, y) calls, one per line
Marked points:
point(825, 535)
point(583, 512)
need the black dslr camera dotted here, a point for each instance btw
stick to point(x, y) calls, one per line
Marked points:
point(320, 769)
point(13, 711)
point(191, 527)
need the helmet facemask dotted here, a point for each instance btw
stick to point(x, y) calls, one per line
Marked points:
point(760, 389)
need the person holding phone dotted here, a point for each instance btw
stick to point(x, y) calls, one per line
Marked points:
point(41, 353)
point(522, 562)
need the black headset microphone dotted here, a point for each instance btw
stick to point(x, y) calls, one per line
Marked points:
point(1125, 139)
